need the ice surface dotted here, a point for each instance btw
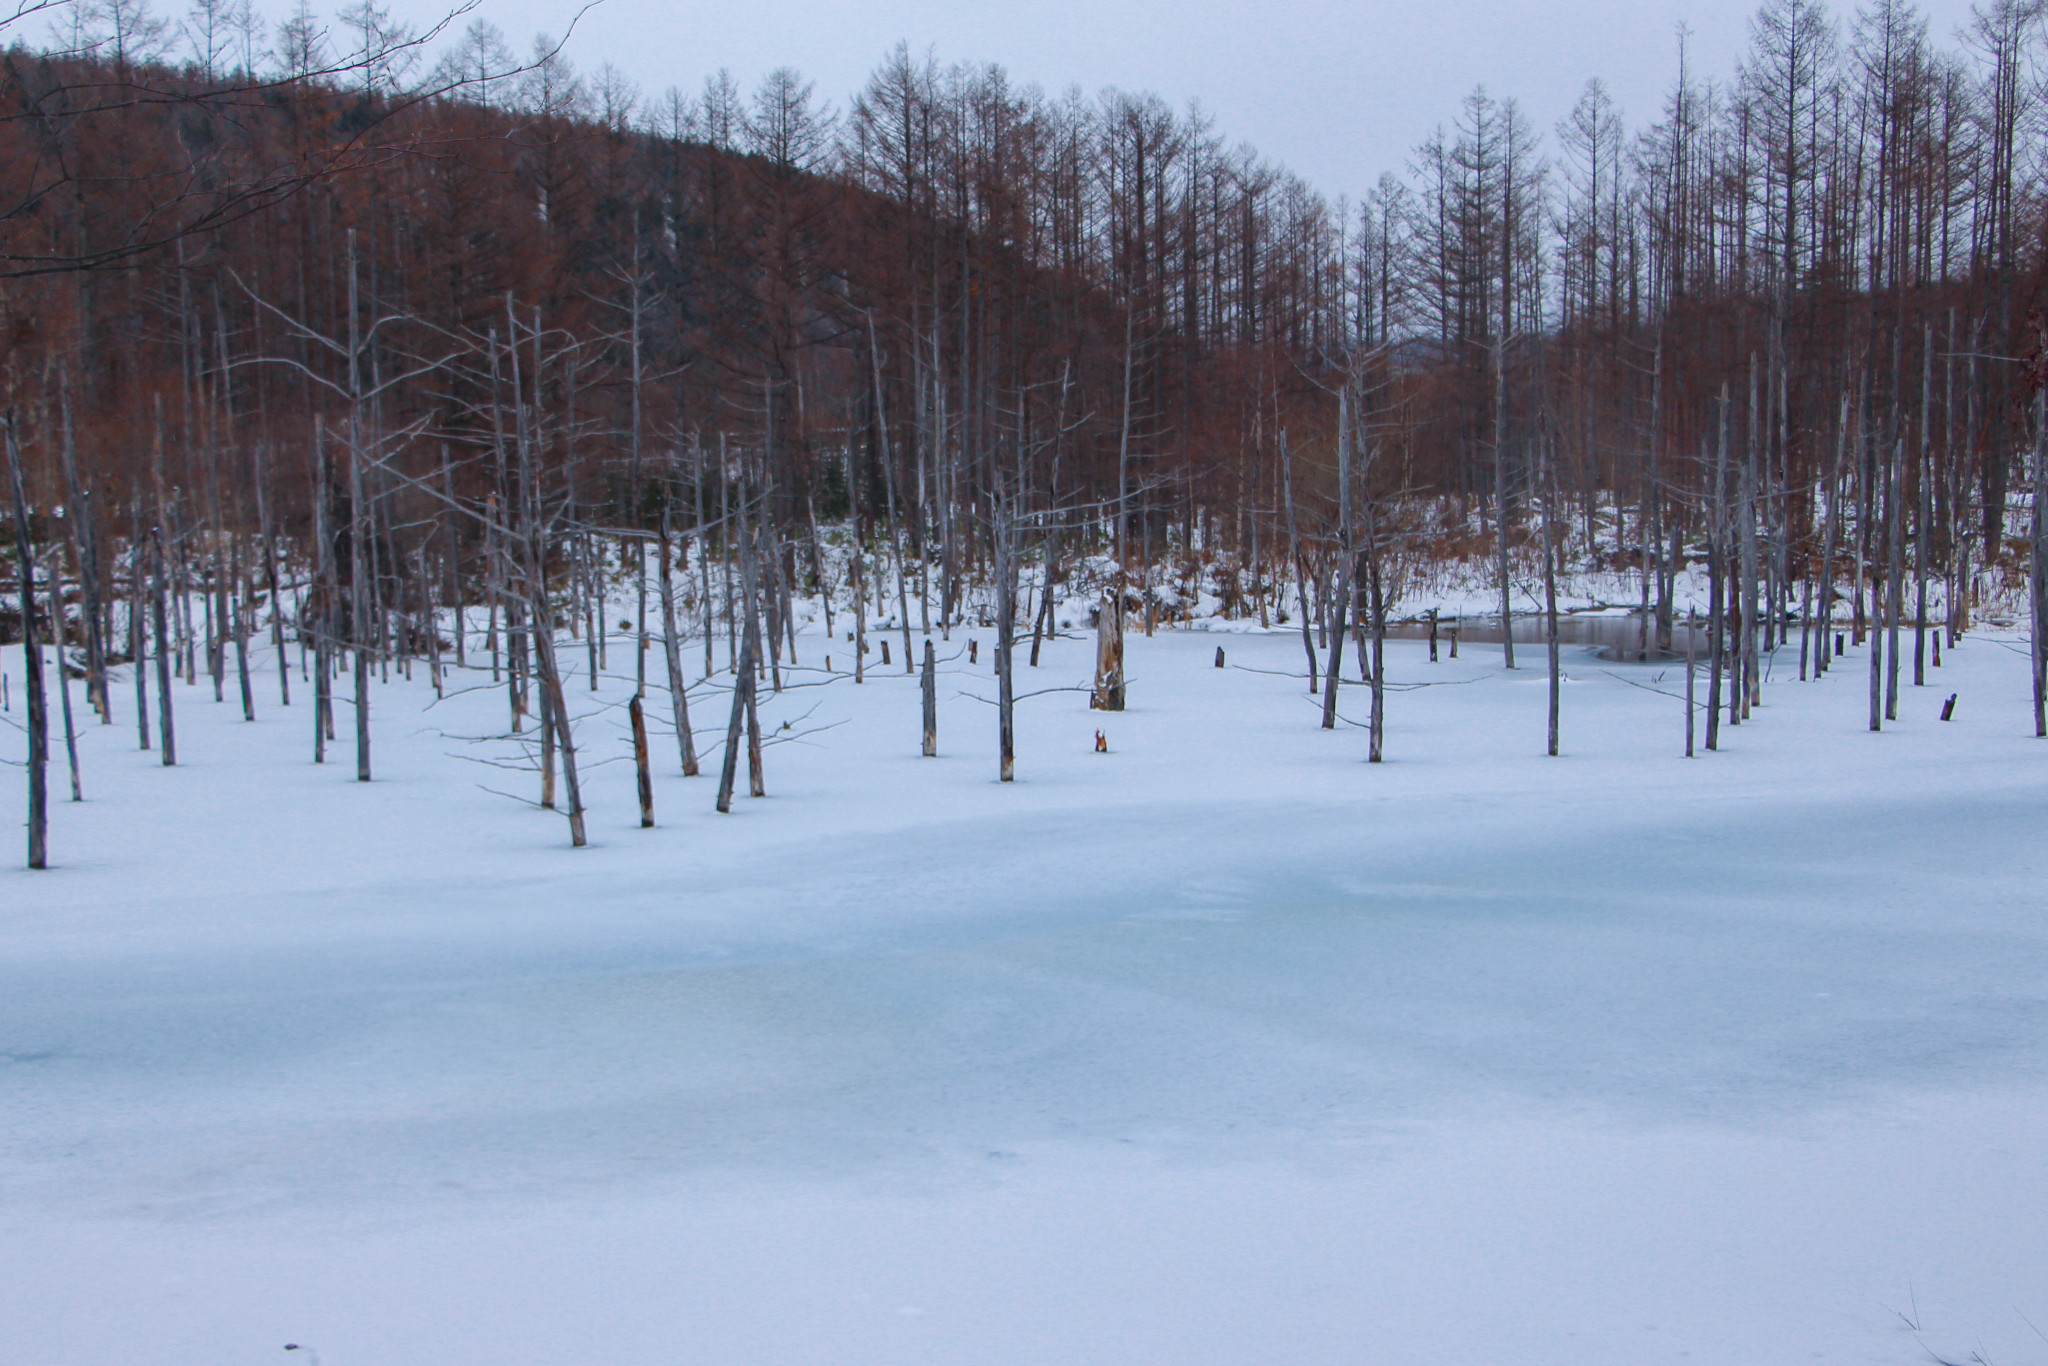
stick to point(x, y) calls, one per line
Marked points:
point(1224, 1047)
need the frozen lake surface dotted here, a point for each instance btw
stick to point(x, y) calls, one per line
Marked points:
point(1223, 1047)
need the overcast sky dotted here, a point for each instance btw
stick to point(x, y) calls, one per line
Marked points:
point(1338, 91)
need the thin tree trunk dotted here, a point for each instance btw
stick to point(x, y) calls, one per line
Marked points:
point(1824, 655)
point(743, 677)
point(1691, 673)
point(1716, 577)
point(1041, 621)
point(1895, 574)
point(237, 616)
point(1750, 684)
point(547, 751)
point(1337, 603)
point(359, 596)
point(860, 608)
point(324, 593)
point(1500, 496)
point(1308, 643)
point(32, 660)
point(458, 617)
point(565, 739)
point(756, 783)
point(164, 650)
point(1876, 639)
point(2038, 587)
point(1550, 587)
point(57, 632)
point(268, 535)
point(672, 650)
point(1006, 646)
point(138, 635)
point(1666, 565)
point(1377, 609)
point(86, 549)
point(889, 491)
point(646, 779)
point(929, 686)
point(1923, 469)
point(1805, 624)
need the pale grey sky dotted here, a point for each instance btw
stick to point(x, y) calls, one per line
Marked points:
point(1338, 90)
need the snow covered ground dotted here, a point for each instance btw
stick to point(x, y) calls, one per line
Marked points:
point(1222, 1047)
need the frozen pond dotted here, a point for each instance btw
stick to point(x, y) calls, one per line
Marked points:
point(1219, 1046)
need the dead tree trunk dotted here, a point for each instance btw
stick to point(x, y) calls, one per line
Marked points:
point(1750, 685)
point(1550, 586)
point(1339, 600)
point(1876, 636)
point(1923, 471)
point(1691, 645)
point(1308, 643)
point(1042, 619)
point(1665, 567)
point(1895, 573)
point(743, 678)
point(2038, 585)
point(756, 781)
point(547, 752)
point(86, 547)
point(359, 529)
point(565, 739)
point(57, 631)
point(237, 606)
point(860, 608)
point(1716, 567)
point(1824, 658)
point(1006, 645)
point(164, 648)
point(1377, 606)
point(458, 618)
point(672, 649)
point(1340, 603)
point(930, 688)
point(646, 779)
point(1500, 496)
point(32, 659)
point(745, 713)
point(138, 638)
point(267, 536)
point(1109, 652)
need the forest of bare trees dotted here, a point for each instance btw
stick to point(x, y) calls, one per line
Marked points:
point(403, 365)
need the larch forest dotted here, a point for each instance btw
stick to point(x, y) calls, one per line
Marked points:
point(407, 353)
